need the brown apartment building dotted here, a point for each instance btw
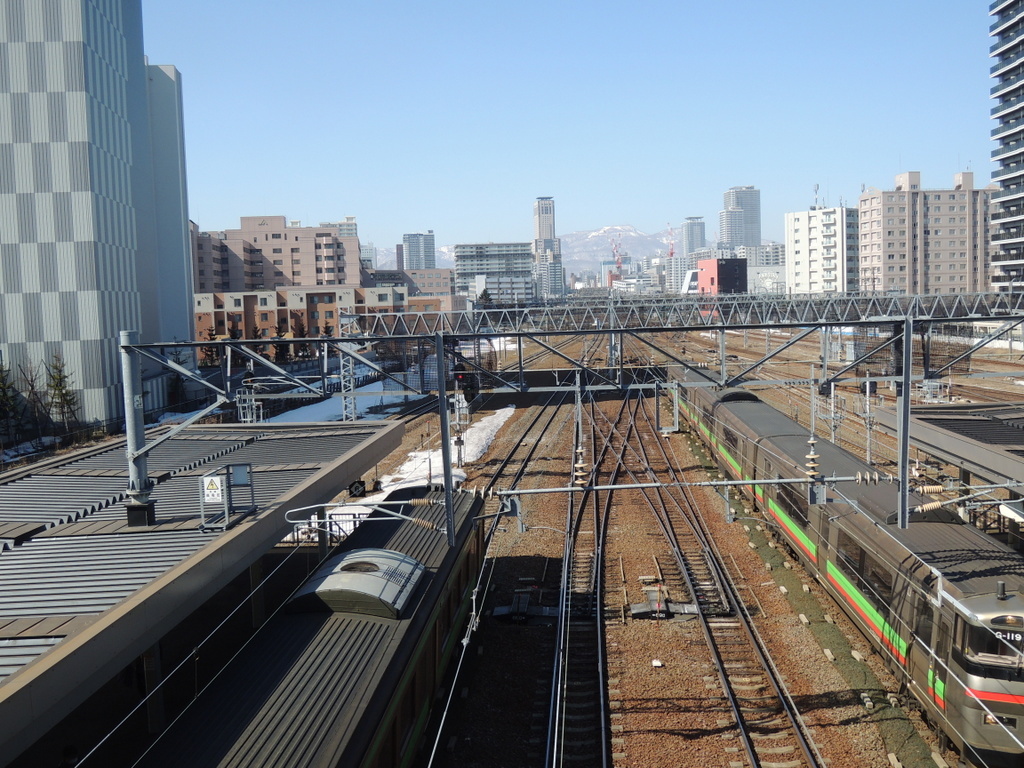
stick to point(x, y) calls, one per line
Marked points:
point(925, 241)
point(274, 278)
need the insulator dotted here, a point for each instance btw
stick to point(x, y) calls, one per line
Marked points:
point(931, 489)
point(421, 502)
point(929, 506)
point(424, 524)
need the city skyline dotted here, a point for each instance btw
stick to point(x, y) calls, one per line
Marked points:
point(621, 142)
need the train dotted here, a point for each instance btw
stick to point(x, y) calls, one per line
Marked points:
point(940, 600)
point(347, 673)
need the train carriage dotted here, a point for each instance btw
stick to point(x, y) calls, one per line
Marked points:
point(347, 674)
point(942, 601)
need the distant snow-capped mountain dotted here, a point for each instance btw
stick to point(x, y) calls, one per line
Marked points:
point(580, 250)
point(585, 250)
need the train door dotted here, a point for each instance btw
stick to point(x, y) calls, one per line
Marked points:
point(938, 673)
point(920, 663)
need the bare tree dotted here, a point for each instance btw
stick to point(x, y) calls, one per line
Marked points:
point(11, 407)
point(38, 407)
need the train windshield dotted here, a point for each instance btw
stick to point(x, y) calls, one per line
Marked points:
point(1001, 644)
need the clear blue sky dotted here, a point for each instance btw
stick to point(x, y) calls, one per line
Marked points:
point(455, 116)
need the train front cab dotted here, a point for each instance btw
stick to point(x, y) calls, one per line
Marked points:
point(984, 689)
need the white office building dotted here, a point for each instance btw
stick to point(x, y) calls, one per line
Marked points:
point(504, 270)
point(547, 250)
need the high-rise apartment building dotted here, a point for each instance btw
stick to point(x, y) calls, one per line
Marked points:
point(419, 250)
point(93, 209)
point(694, 236)
point(822, 250)
point(766, 255)
point(739, 222)
point(547, 250)
point(505, 270)
point(1007, 271)
point(925, 241)
point(269, 252)
point(347, 228)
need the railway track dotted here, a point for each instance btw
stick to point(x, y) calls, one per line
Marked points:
point(684, 591)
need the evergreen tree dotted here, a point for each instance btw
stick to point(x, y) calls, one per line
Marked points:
point(302, 350)
point(62, 399)
point(209, 356)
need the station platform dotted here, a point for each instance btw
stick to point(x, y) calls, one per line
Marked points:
point(85, 595)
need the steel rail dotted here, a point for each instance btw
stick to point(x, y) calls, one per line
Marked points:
point(738, 607)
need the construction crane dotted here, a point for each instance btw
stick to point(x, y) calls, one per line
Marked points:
point(617, 254)
point(671, 242)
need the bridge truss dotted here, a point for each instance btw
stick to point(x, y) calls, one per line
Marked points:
point(644, 320)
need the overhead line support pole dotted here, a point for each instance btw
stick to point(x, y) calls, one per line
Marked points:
point(446, 437)
point(903, 425)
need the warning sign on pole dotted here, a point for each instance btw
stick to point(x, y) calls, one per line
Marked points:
point(213, 489)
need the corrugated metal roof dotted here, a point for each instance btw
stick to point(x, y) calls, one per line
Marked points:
point(76, 575)
point(52, 499)
point(286, 448)
point(170, 456)
point(982, 429)
point(16, 652)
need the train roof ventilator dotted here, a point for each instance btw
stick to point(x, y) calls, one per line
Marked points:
point(374, 582)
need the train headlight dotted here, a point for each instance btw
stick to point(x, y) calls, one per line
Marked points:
point(1005, 722)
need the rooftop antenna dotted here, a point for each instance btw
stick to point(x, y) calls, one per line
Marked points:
point(815, 196)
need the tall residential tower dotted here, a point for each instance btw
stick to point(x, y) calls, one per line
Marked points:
point(1008, 219)
point(693, 235)
point(419, 250)
point(93, 211)
point(739, 222)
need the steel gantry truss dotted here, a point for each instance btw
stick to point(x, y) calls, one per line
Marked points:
point(639, 319)
point(680, 312)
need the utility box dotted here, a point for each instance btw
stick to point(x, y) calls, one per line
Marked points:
point(225, 495)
